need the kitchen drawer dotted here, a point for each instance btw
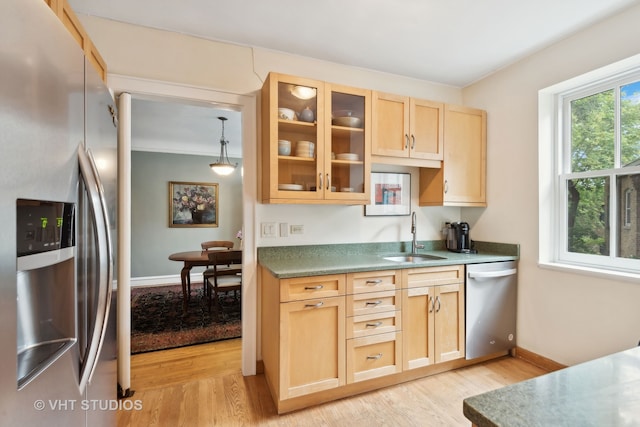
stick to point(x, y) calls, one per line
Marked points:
point(430, 276)
point(373, 324)
point(374, 356)
point(301, 288)
point(373, 302)
point(373, 281)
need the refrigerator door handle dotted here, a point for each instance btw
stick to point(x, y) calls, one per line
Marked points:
point(89, 174)
point(491, 274)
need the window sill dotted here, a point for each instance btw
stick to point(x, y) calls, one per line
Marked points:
point(591, 271)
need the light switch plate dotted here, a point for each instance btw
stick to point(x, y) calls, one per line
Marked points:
point(268, 229)
point(284, 229)
point(297, 229)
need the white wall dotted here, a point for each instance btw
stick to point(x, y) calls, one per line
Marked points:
point(152, 240)
point(566, 317)
point(160, 55)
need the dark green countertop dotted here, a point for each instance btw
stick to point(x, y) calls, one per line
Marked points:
point(315, 260)
point(601, 392)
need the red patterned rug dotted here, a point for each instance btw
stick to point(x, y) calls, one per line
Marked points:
point(158, 323)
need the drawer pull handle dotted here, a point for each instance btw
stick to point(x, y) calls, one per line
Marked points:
point(374, 302)
point(375, 357)
point(374, 282)
point(374, 325)
point(316, 305)
point(313, 288)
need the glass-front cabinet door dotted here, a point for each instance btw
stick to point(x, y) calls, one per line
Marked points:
point(316, 142)
point(292, 139)
point(347, 151)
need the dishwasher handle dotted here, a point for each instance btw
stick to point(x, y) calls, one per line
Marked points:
point(491, 274)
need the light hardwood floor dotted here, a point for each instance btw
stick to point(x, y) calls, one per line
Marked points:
point(203, 386)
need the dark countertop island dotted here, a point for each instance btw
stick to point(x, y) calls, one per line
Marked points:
point(598, 393)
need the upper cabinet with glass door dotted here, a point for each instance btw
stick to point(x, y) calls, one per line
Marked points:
point(347, 154)
point(315, 142)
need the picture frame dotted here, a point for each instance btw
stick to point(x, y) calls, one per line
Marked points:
point(390, 194)
point(193, 204)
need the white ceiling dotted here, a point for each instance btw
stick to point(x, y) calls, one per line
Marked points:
point(454, 42)
point(185, 128)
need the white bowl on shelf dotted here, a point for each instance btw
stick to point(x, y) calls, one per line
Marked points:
point(284, 147)
point(290, 187)
point(305, 149)
point(286, 114)
point(347, 156)
point(347, 121)
point(305, 154)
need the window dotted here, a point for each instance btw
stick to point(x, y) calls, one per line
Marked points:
point(627, 207)
point(596, 183)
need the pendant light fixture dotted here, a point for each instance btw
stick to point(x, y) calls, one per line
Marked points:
point(303, 92)
point(223, 166)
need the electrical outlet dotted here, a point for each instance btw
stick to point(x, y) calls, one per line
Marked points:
point(297, 229)
point(284, 229)
point(268, 229)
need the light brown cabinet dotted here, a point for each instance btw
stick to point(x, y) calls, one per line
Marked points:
point(433, 313)
point(316, 149)
point(374, 337)
point(326, 337)
point(408, 129)
point(303, 334)
point(67, 16)
point(312, 346)
point(462, 179)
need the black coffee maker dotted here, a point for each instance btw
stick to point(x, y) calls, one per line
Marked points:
point(458, 237)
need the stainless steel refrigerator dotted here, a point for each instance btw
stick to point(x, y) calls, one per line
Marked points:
point(58, 154)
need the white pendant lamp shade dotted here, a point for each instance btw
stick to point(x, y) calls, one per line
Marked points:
point(223, 166)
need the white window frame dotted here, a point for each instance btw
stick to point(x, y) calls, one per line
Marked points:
point(627, 208)
point(553, 161)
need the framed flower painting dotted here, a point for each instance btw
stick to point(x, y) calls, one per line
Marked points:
point(193, 204)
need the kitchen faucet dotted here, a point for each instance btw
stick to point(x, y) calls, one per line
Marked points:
point(414, 243)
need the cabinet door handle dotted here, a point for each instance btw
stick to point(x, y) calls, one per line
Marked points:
point(320, 179)
point(438, 301)
point(374, 302)
point(375, 357)
point(374, 282)
point(313, 288)
point(328, 182)
point(373, 325)
point(432, 304)
point(316, 305)
point(446, 186)
point(406, 141)
point(413, 142)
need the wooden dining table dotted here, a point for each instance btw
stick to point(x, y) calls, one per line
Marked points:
point(190, 259)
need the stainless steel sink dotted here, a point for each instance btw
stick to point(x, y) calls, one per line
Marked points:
point(413, 258)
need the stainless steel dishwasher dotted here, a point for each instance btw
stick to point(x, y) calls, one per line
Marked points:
point(491, 294)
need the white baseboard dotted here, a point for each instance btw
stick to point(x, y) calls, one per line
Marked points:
point(173, 279)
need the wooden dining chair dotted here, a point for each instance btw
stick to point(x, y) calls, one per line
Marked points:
point(226, 277)
point(216, 244)
point(212, 245)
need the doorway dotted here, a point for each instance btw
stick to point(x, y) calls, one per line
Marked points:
point(178, 202)
point(134, 88)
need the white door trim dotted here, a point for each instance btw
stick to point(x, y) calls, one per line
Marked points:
point(246, 104)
